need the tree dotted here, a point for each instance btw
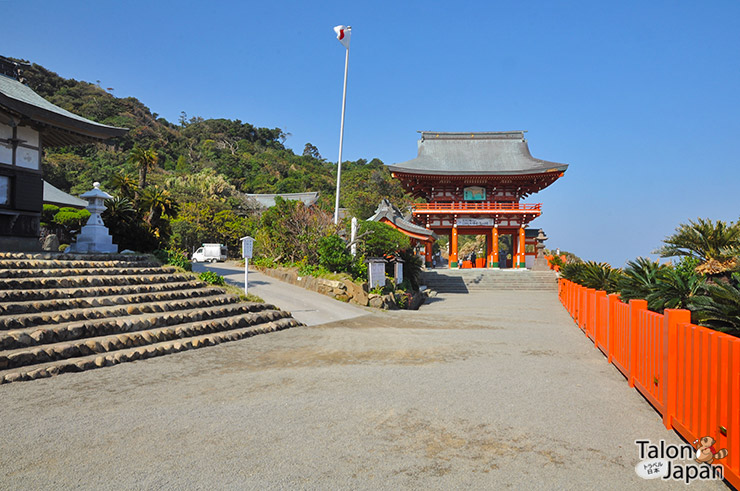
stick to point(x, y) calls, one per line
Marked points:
point(311, 151)
point(715, 244)
point(719, 308)
point(145, 160)
point(639, 279)
point(382, 239)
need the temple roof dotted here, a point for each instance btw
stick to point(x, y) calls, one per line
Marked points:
point(393, 215)
point(58, 126)
point(268, 200)
point(55, 196)
point(489, 153)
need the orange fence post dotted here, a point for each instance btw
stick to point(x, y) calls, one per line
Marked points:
point(611, 326)
point(671, 318)
point(634, 342)
point(600, 318)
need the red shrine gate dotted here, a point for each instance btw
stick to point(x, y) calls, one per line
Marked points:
point(474, 183)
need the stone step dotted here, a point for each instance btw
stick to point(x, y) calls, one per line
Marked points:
point(61, 256)
point(16, 358)
point(84, 271)
point(31, 264)
point(40, 335)
point(24, 321)
point(88, 281)
point(92, 361)
point(63, 293)
point(184, 290)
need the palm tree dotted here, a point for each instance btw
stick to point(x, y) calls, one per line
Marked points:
point(720, 308)
point(158, 202)
point(715, 244)
point(124, 184)
point(674, 289)
point(638, 279)
point(145, 160)
point(600, 276)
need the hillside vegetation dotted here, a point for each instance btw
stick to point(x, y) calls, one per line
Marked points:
point(196, 170)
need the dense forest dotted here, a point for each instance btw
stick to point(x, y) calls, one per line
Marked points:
point(195, 172)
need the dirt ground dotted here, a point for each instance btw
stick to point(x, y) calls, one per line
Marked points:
point(488, 390)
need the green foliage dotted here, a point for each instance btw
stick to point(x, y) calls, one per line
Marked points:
point(47, 214)
point(211, 278)
point(382, 239)
point(639, 279)
point(333, 254)
point(704, 240)
point(412, 268)
point(719, 307)
point(573, 272)
point(289, 231)
point(600, 276)
point(174, 257)
point(674, 288)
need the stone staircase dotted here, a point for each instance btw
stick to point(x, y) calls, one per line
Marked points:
point(72, 312)
point(467, 280)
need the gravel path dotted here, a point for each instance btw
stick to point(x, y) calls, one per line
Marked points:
point(481, 391)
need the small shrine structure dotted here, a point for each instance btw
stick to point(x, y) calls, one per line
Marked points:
point(474, 184)
point(390, 215)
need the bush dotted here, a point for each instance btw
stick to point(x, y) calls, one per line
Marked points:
point(174, 257)
point(212, 278)
point(382, 239)
point(333, 254)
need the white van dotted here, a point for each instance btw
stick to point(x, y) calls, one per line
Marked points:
point(210, 253)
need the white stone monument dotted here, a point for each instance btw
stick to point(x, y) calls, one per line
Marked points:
point(94, 236)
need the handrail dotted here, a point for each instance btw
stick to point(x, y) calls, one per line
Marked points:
point(484, 206)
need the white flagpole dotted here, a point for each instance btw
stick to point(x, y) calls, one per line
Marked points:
point(341, 138)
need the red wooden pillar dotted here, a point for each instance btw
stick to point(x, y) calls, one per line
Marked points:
point(522, 255)
point(428, 254)
point(493, 257)
point(453, 247)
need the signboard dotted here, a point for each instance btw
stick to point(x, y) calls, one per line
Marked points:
point(247, 243)
point(474, 193)
point(475, 222)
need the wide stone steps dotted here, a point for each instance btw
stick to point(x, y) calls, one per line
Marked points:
point(463, 281)
point(70, 315)
point(99, 360)
point(70, 293)
point(130, 339)
point(99, 271)
point(179, 291)
point(69, 331)
point(62, 313)
point(74, 264)
point(87, 281)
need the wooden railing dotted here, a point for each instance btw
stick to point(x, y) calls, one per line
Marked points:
point(689, 373)
point(472, 206)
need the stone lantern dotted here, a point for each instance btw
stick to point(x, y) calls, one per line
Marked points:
point(94, 236)
point(540, 263)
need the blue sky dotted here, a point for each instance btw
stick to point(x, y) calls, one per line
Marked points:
point(640, 98)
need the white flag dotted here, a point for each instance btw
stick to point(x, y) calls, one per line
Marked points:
point(343, 34)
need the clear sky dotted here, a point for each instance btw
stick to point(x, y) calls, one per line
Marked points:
point(640, 98)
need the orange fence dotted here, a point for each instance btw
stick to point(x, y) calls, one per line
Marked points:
point(689, 373)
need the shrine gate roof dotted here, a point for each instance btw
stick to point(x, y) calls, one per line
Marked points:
point(487, 153)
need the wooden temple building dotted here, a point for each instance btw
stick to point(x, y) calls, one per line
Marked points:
point(28, 124)
point(474, 184)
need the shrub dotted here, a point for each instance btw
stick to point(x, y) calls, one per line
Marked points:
point(333, 254)
point(212, 278)
point(174, 257)
point(382, 239)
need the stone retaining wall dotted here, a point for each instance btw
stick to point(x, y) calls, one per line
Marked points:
point(344, 290)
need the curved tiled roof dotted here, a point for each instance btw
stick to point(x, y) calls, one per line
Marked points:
point(490, 153)
point(61, 126)
point(389, 212)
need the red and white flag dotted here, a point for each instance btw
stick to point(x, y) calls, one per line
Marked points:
point(343, 34)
